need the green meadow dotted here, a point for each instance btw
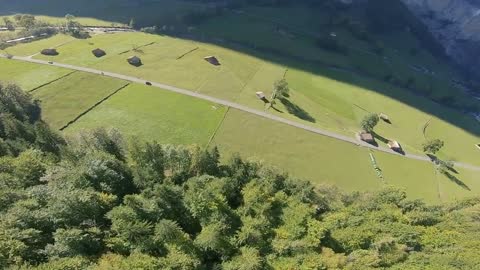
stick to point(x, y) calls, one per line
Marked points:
point(33, 48)
point(325, 160)
point(156, 114)
point(63, 100)
point(28, 75)
point(328, 90)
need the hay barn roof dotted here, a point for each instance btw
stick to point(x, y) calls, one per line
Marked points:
point(49, 52)
point(99, 52)
point(212, 60)
point(393, 145)
point(135, 60)
point(367, 137)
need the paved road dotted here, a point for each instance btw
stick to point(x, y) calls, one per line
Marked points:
point(235, 106)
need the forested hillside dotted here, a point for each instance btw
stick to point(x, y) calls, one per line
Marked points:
point(97, 201)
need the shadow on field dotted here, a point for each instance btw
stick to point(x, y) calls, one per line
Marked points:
point(379, 137)
point(457, 181)
point(406, 96)
point(296, 110)
point(147, 15)
point(450, 172)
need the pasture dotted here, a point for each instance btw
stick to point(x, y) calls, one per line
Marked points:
point(32, 48)
point(63, 100)
point(80, 52)
point(327, 90)
point(324, 160)
point(321, 97)
point(155, 114)
point(28, 75)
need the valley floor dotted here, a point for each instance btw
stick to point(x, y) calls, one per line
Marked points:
point(312, 132)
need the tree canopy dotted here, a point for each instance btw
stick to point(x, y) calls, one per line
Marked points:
point(96, 201)
point(369, 122)
point(433, 146)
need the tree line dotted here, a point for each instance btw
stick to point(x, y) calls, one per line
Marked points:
point(98, 201)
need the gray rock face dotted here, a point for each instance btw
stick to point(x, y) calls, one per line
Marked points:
point(456, 25)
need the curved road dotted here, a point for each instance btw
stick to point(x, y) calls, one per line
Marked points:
point(235, 106)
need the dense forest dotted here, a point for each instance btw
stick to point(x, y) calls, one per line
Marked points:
point(99, 201)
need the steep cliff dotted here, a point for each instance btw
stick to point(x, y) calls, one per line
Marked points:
point(456, 25)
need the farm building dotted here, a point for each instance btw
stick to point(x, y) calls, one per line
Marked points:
point(366, 137)
point(395, 146)
point(99, 52)
point(212, 60)
point(478, 146)
point(384, 117)
point(261, 96)
point(51, 52)
point(135, 61)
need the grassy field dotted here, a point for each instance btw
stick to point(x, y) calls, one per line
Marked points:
point(154, 114)
point(321, 97)
point(301, 153)
point(62, 101)
point(328, 90)
point(28, 49)
point(80, 51)
point(27, 75)
point(270, 29)
point(324, 160)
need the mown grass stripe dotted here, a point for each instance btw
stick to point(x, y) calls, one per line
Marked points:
point(183, 55)
point(50, 82)
point(93, 107)
point(218, 127)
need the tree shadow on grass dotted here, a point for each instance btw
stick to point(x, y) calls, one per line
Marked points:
point(296, 110)
point(457, 181)
point(276, 109)
point(379, 137)
point(448, 165)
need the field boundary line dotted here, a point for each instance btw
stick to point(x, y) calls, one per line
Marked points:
point(248, 82)
point(93, 107)
point(218, 127)
point(185, 54)
point(50, 82)
point(141, 46)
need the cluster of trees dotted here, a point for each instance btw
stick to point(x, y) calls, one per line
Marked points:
point(74, 28)
point(94, 201)
point(28, 26)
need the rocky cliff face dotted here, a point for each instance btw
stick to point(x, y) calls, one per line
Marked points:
point(456, 25)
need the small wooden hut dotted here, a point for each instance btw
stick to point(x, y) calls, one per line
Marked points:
point(50, 52)
point(477, 145)
point(212, 60)
point(384, 117)
point(395, 146)
point(99, 52)
point(366, 137)
point(261, 96)
point(135, 61)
